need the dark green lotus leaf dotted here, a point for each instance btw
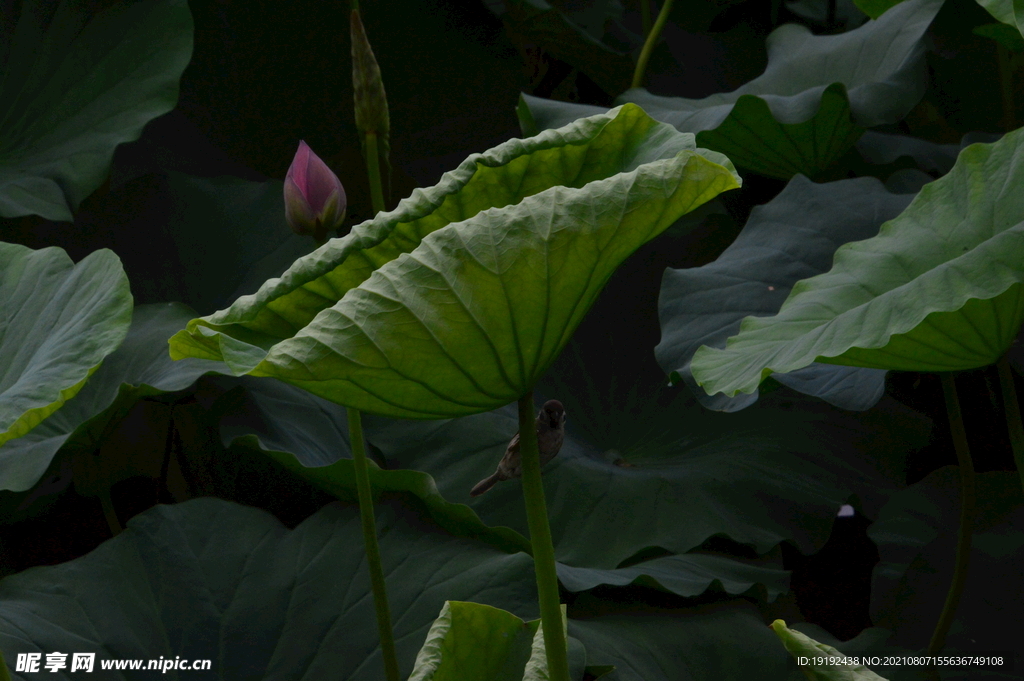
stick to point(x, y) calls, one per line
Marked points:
point(690, 574)
point(880, 148)
point(304, 433)
point(1007, 36)
point(792, 237)
point(775, 472)
point(916, 534)
point(688, 645)
point(757, 141)
point(211, 579)
point(577, 33)
point(307, 435)
point(908, 181)
point(73, 87)
point(230, 235)
point(939, 288)
point(812, 102)
point(138, 368)
point(62, 319)
point(457, 301)
point(876, 8)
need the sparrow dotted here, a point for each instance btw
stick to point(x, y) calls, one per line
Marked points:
point(550, 434)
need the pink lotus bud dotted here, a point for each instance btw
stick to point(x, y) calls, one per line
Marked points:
point(314, 200)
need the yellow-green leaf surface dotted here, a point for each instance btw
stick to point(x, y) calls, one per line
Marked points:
point(477, 642)
point(939, 288)
point(458, 300)
point(474, 642)
point(58, 320)
point(806, 650)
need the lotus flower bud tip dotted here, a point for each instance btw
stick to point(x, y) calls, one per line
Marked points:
point(314, 200)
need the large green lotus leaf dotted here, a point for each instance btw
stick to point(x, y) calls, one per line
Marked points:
point(73, 87)
point(457, 301)
point(939, 288)
point(690, 574)
point(209, 579)
point(688, 645)
point(577, 33)
point(1002, 10)
point(139, 367)
point(880, 148)
point(811, 103)
point(792, 237)
point(305, 433)
point(212, 579)
point(778, 471)
point(916, 534)
point(61, 320)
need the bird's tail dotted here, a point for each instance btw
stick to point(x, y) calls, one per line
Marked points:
point(484, 485)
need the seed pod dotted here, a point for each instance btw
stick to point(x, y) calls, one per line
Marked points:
point(371, 102)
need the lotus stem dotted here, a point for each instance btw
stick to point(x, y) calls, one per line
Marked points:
point(380, 594)
point(652, 38)
point(967, 498)
point(1012, 414)
point(540, 538)
point(373, 173)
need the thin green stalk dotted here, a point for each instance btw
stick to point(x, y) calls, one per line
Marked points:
point(963, 543)
point(1003, 57)
point(540, 538)
point(373, 172)
point(645, 16)
point(1012, 411)
point(652, 38)
point(380, 594)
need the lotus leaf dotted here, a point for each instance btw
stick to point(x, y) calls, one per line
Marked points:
point(73, 87)
point(61, 320)
point(457, 301)
point(939, 288)
point(793, 237)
